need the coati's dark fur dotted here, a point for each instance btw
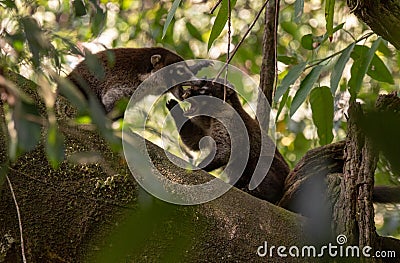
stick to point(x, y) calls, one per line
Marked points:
point(120, 71)
point(271, 188)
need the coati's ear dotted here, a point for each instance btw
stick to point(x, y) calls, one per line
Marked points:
point(155, 59)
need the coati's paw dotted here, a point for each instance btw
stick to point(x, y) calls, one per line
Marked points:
point(176, 112)
point(205, 63)
point(171, 104)
point(200, 65)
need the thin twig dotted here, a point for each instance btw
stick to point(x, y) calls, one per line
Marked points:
point(336, 53)
point(350, 34)
point(229, 46)
point(229, 30)
point(19, 219)
point(243, 38)
point(215, 6)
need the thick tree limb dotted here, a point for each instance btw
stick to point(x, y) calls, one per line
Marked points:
point(65, 215)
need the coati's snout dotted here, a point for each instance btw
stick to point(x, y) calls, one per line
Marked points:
point(205, 95)
point(185, 75)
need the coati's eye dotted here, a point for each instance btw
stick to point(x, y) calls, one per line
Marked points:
point(180, 71)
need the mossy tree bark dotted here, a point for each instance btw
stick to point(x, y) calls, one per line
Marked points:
point(66, 217)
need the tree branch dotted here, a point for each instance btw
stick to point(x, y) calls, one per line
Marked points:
point(268, 67)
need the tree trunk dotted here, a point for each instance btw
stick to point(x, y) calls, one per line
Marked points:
point(269, 62)
point(268, 67)
point(382, 16)
point(354, 211)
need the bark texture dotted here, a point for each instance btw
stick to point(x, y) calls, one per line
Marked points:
point(354, 212)
point(381, 16)
point(268, 70)
point(268, 66)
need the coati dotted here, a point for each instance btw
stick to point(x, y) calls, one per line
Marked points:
point(271, 189)
point(195, 128)
point(116, 73)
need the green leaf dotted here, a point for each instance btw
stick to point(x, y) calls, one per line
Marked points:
point(16, 40)
point(298, 10)
point(290, 27)
point(382, 127)
point(99, 118)
point(193, 31)
point(282, 104)
point(287, 60)
point(14, 88)
point(70, 91)
point(329, 13)
point(79, 7)
point(305, 87)
point(307, 42)
point(377, 70)
point(72, 47)
point(220, 21)
point(94, 65)
point(384, 49)
point(98, 18)
point(321, 101)
point(27, 123)
point(55, 146)
point(339, 67)
point(326, 35)
point(170, 15)
point(149, 216)
point(293, 74)
point(8, 4)
point(36, 39)
point(360, 68)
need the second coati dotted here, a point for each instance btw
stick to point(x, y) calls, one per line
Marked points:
point(272, 188)
point(193, 129)
point(116, 73)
